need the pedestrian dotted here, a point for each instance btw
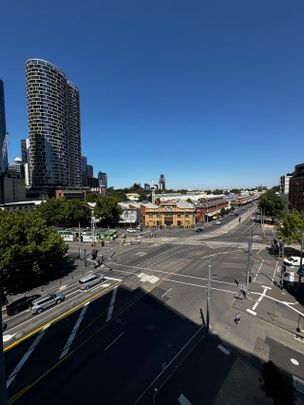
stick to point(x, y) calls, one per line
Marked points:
point(237, 318)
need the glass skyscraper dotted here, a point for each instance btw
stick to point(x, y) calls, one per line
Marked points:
point(54, 127)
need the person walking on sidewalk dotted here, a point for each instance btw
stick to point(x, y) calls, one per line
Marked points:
point(237, 318)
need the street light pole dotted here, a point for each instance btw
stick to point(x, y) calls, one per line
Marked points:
point(208, 297)
point(248, 264)
point(80, 240)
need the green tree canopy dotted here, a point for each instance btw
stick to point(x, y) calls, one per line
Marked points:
point(107, 209)
point(28, 247)
point(272, 203)
point(65, 213)
point(292, 226)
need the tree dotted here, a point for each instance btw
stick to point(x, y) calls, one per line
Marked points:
point(189, 200)
point(235, 191)
point(65, 213)
point(292, 226)
point(277, 384)
point(28, 248)
point(272, 203)
point(107, 209)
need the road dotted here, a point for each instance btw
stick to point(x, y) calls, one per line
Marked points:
point(141, 338)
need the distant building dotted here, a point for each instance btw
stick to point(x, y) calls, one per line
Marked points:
point(70, 194)
point(3, 134)
point(162, 182)
point(54, 127)
point(171, 214)
point(103, 180)
point(16, 168)
point(13, 190)
point(296, 188)
point(90, 172)
point(284, 184)
point(147, 187)
point(210, 208)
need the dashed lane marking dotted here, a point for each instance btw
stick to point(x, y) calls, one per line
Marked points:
point(166, 292)
point(183, 400)
point(257, 273)
point(25, 357)
point(122, 333)
point(111, 307)
point(74, 331)
point(223, 349)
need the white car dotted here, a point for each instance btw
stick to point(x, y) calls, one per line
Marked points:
point(131, 230)
point(218, 223)
point(293, 261)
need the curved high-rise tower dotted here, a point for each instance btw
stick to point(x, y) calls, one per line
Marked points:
point(3, 135)
point(54, 127)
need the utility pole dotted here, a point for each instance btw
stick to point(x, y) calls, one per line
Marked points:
point(208, 297)
point(3, 397)
point(248, 265)
point(80, 240)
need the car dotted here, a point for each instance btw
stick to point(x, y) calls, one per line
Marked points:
point(21, 304)
point(199, 229)
point(88, 281)
point(293, 261)
point(46, 301)
point(218, 223)
point(131, 230)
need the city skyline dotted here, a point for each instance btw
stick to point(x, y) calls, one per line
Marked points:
point(211, 99)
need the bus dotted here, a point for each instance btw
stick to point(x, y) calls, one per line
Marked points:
point(67, 236)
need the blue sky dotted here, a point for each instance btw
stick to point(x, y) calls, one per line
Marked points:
point(210, 93)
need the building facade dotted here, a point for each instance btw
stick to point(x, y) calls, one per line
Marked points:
point(3, 134)
point(103, 180)
point(284, 184)
point(84, 173)
point(210, 209)
point(162, 182)
point(54, 127)
point(171, 214)
point(296, 188)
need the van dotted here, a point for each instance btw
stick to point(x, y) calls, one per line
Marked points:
point(88, 281)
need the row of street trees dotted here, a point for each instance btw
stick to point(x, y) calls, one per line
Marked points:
point(290, 226)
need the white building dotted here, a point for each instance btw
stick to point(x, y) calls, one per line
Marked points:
point(284, 184)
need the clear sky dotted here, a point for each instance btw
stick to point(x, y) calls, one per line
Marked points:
point(210, 93)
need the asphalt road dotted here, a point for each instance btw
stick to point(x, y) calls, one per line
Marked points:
point(145, 330)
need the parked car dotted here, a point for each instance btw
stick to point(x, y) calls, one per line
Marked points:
point(293, 261)
point(47, 301)
point(86, 282)
point(131, 230)
point(21, 304)
point(199, 229)
point(218, 223)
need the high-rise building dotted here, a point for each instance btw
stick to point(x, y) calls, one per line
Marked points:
point(90, 172)
point(162, 182)
point(23, 151)
point(16, 168)
point(3, 134)
point(296, 188)
point(54, 127)
point(84, 173)
point(102, 180)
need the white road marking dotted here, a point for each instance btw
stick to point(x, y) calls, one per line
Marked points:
point(6, 338)
point(294, 362)
point(111, 307)
point(197, 285)
point(26, 356)
point(223, 349)
point(114, 341)
point(183, 400)
point(260, 298)
point(69, 342)
point(251, 312)
point(140, 254)
point(147, 278)
point(166, 292)
point(62, 287)
point(274, 272)
point(257, 273)
point(112, 278)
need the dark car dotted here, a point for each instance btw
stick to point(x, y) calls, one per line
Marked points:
point(21, 305)
point(199, 229)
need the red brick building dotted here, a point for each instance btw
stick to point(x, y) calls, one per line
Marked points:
point(209, 208)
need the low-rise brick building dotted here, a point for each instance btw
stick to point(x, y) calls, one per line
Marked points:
point(210, 208)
